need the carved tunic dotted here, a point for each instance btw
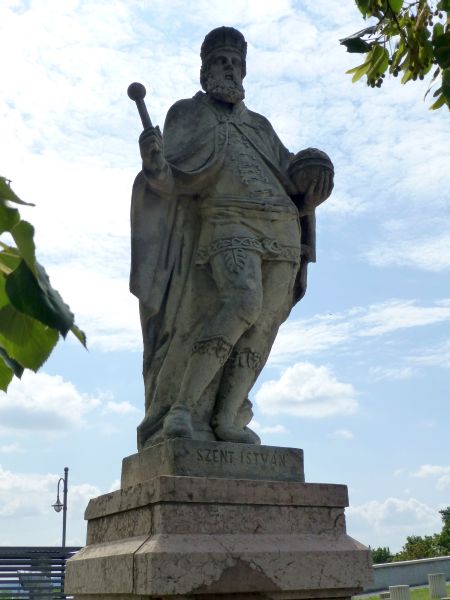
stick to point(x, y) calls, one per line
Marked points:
point(247, 209)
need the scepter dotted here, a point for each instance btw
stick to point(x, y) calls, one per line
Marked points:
point(136, 91)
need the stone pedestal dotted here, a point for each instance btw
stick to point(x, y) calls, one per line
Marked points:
point(222, 536)
point(437, 585)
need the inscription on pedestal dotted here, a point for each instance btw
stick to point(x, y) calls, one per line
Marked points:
point(213, 459)
point(247, 457)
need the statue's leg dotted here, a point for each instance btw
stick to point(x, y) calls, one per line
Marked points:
point(251, 351)
point(239, 286)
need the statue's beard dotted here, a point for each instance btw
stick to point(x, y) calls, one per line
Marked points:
point(226, 90)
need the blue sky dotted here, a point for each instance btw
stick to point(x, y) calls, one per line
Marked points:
point(359, 374)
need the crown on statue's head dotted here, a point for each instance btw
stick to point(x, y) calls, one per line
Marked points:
point(224, 38)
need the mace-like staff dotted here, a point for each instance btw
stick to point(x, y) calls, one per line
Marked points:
point(136, 91)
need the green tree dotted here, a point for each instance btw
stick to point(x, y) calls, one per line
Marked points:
point(406, 39)
point(417, 547)
point(444, 536)
point(381, 555)
point(32, 313)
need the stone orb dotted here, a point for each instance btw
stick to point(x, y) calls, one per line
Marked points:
point(307, 166)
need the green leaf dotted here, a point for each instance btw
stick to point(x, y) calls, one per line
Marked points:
point(438, 30)
point(360, 71)
point(6, 375)
point(446, 85)
point(6, 193)
point(9, 217)
point(363, 6)
point(441, 46)
point(35, 297)
point(443, 5)
point(24, 339)
point(380, 61)
point(407, 76)
point(79, 334)
point(356, 45)
point(395, 5)
point(23, 234)
point(9, 258)
point(439, 102)
point(11, 363)
point(4, 300)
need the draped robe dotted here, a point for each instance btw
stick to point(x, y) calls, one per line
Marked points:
point(175, 294)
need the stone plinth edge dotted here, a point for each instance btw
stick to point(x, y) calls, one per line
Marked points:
point(188, 490)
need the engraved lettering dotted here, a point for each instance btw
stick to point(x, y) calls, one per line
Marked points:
point(249, 459)
point(216, 455)
point(282, 459)
point(256, 454)
point(199, 455)
point(274, 460)
point(208, 455)
point(264, 458)
point(226, 456)
point(242, 458)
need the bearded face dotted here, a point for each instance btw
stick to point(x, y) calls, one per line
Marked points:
point(223, 78)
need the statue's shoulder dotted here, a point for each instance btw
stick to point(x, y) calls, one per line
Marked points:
point(187, 107)
point(257, 120)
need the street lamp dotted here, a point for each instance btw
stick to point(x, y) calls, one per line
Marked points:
point(62, 506)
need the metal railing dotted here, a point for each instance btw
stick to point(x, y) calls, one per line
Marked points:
point(33, 572)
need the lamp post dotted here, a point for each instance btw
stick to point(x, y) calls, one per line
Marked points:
point(58, 506)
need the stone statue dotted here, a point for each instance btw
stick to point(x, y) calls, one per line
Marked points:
point(223, 228)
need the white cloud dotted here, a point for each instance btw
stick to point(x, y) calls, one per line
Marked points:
point(441, 472)
point(44, 402)
point(343, 434)
point(381, 373)
point(431, 471)
point(428, 253)
point(321, 332)
point(50, 404)
point(395, 511)
point(305, 390)
point(400, 314)
point(392, 519)
point(120, 408)
point(443, 483)
point(11, 449)
point(438, 356)
point(115, 485)
point(32, 494)
point(256, 426)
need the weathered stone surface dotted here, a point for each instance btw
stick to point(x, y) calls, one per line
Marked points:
point(216, 519)
point(107, 564)
point(242, 564)
point(194, 458)
point(218, 491)
point(199, 563)
point(193, 536)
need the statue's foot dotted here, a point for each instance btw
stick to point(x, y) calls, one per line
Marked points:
point(231, 433)
point(178, 423)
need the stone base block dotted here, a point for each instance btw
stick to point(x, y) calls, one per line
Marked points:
point(194, 458)
point(198, 537)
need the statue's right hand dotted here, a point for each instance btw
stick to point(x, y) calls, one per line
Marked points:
point(151, 147)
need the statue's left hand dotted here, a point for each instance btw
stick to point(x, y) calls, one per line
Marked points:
point(318, 190)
